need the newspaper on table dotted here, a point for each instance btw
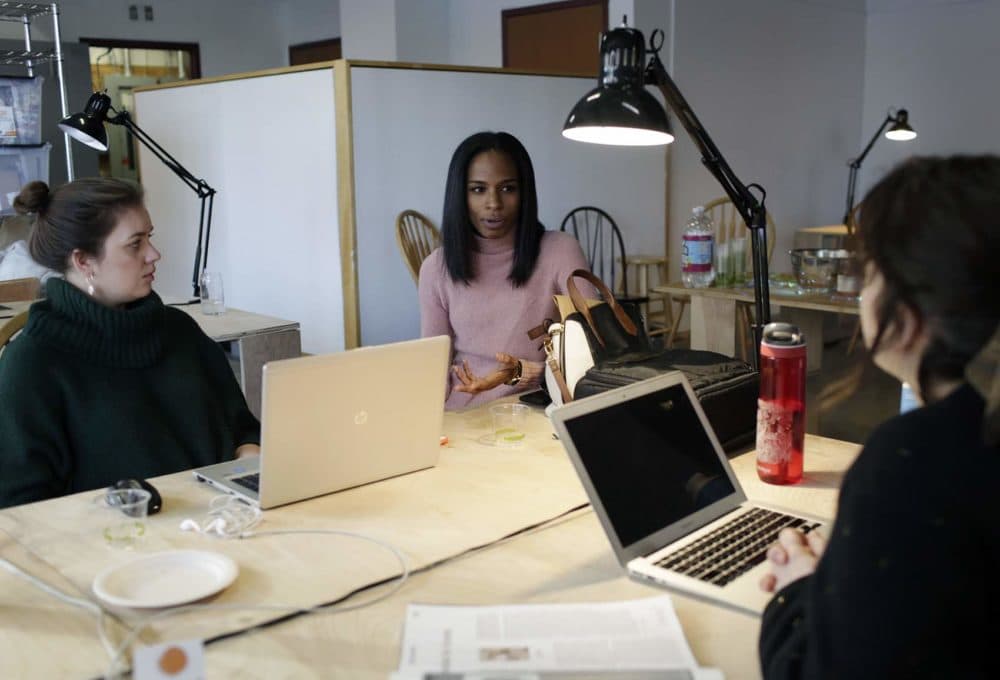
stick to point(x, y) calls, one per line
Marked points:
point(624, 640)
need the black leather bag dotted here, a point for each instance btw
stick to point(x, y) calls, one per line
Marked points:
point(727, 388)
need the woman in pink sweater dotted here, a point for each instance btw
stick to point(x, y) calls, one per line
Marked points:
point(494, 276)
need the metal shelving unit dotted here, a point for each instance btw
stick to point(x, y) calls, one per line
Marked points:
point(23, 13)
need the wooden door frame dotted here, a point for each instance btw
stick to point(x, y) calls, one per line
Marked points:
point(192, 49)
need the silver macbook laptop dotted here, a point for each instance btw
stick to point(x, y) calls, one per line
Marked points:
point(334, 421)
point(666, 494)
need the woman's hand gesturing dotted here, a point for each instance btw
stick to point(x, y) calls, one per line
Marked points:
point(469, 382)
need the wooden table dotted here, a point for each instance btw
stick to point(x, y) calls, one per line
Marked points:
point(257, 338)
point(713, 316)
point(476, 496)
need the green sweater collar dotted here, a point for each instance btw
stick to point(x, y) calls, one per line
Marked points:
point(72, 322)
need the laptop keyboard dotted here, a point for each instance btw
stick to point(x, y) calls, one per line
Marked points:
point(251, 481)
point(734, 548)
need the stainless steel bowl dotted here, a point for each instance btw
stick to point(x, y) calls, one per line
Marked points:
point(816, 268)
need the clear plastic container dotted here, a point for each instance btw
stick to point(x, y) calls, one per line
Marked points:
point(21, 110)
point(698, 252)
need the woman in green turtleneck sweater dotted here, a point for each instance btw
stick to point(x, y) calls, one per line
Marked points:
point(105, 382)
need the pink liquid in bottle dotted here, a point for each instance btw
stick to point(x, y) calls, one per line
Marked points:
point(781, 408)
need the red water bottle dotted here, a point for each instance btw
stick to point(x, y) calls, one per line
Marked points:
point(781, 409)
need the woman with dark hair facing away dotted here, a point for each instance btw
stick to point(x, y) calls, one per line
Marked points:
point(105, 382)
point(495, 274)
point(907, 586)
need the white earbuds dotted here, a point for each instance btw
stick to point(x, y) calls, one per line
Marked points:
point(229, 518)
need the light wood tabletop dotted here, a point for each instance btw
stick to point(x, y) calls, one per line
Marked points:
point(478, 495)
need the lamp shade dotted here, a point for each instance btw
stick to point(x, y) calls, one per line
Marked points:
point(88, 127)
point(619, 110)
point(901, 130)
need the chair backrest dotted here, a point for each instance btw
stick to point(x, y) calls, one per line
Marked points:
point(729, 225)
point(20, 289)
point(10, 328)
point(417, 237)
point(602, 244)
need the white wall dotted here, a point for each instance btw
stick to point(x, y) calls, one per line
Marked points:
point(422, 31)
point(369, 29)
point(778, 86)
point(940, 62)
point(233, 35)
point(304, 21)
point(275, 234)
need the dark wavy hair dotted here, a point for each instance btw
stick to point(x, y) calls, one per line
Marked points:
point(456, 227)
point(932, 228)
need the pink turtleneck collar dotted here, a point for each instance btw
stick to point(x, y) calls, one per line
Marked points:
point(492, 246)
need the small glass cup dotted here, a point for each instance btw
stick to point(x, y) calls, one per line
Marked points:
point(126, 528)
point(508, 424)
point(213, 298)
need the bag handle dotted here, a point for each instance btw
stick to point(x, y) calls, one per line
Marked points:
point(580, 303)
point(551, 360)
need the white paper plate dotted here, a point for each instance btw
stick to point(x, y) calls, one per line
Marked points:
point(165, 579)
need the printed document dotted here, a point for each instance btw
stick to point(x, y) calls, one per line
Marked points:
point(623, 640)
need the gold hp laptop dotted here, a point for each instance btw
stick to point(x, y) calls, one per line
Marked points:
point(334, 421)
point(666, 494)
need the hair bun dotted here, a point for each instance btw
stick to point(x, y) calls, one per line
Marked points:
point(33, 198)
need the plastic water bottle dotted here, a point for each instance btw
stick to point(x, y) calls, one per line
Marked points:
point(698, 253)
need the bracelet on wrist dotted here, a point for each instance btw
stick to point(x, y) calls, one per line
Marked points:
point(517, 374)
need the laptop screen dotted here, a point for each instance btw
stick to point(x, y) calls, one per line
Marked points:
point(649, 460)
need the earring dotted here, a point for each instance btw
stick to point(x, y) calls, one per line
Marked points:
point(90, 284)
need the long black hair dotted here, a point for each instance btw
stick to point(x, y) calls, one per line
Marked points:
point(932, 229)
point(456, 227)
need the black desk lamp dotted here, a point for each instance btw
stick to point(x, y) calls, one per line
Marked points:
point(88, 128)
point(900, 132)
point(620, 111)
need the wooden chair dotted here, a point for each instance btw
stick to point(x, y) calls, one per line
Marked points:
point(603, 247)
point(417, 237)
point(15, 290)
point(12, 327)
point(729, 225)
point(649, 271)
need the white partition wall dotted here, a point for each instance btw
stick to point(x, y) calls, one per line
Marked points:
point(406, 122)
point(266, 143)
point(313, 165)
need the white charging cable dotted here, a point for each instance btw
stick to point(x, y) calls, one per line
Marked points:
point(228, 517)
point(83, 603)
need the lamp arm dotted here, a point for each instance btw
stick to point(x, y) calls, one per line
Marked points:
point(205, 192)
point(747, 204)
point(855, 165)
point(199, 186)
